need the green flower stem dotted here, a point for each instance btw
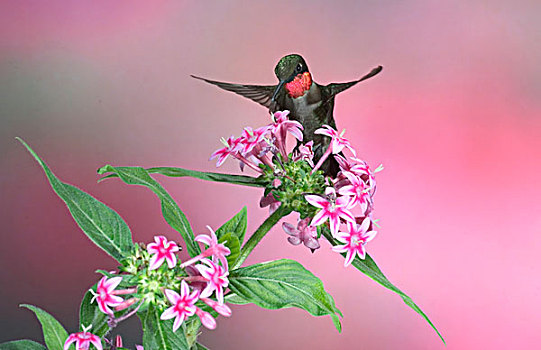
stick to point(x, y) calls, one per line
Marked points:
point(259, 234)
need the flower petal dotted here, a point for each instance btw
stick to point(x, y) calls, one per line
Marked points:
point(112, 283)
point(369, 235)
point(169, 313)
point(94, 339)
point(349, 258)
point(365, 225)
point(319, 218)
point(205, 239)
point(71, 339)
point(173, 296)
point(294, 240)
point(290, 229)
point(339, 248)
point(171, 260)
point(155, 262)
point(316, 201)
point(178, 322)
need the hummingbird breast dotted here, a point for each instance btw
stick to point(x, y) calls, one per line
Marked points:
point(303, 109)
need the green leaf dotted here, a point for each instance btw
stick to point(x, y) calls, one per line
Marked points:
point(54, 334)
point(232, 298)
point(100, 223)
point(22, 345)
point(232, 242)
point(90, 314)
point(369, 267)
point(283, 283)
point(158, 334)
point(236, 225)
point(171, 212)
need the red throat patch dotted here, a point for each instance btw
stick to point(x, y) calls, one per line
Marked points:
point(298, 86)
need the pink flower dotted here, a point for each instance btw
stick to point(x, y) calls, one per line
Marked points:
point(338, 142)
point(83, 340)
point(105, 294)
point(346, 165)
point(222, 309)
point(359, 167)
point(218, 251)
point(231, 148)
point(332, 208)
point(216, 276)
point(183, 305)
point(251, 138)
point(303, 233)
point(354, 240)
point(358, 190)
point(206, 318)
point(281, 126)
point(305, 152)
point(269, 201)
point(162, 250)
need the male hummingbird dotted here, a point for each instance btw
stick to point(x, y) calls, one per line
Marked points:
point(309, 103)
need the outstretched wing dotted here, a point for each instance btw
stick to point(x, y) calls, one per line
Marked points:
point(261, 94)
point(336, 88)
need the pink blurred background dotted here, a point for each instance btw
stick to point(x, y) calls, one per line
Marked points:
point(454, 118)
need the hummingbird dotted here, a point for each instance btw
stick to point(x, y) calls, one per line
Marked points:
point(308, 102)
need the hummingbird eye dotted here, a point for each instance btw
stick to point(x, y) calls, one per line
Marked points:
point(299, 68)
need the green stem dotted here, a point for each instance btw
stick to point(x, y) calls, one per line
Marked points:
point(259, 234)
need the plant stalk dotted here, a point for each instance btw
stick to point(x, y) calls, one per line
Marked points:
point(259, 234)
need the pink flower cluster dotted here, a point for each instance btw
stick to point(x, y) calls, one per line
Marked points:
point(206, 278)
point(258, 146)
point(348, 202)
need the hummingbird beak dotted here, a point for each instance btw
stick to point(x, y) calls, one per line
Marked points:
point(278, 87)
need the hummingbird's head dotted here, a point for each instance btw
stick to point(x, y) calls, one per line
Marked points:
point(293, 73)
point(289, 67)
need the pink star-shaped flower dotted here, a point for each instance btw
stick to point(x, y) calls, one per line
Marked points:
point(163, 250)
point(216, 277)
point(218, 251)
point(105, 294)
point(231, 148)
point(358, 190)
point(183, 304)
point(338, 141)
point(251, 138)
point(359, 167)
point(332, 208)
point(303, 233)
point(354, 240)
point(345, 164)
point(305, 152)
point(282, 125)
point(83, 340)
